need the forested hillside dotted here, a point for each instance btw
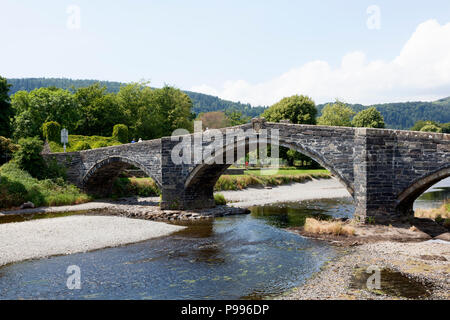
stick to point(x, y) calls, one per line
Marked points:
point(201, 102)
point(396, 115)
point(403, 115)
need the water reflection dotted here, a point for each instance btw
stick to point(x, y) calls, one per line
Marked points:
point(435, 196)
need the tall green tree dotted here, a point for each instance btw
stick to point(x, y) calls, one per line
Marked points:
point(6, 111)
point(336, 114)
point(42, 105)
point(368, 118)
point(99, 111)
point(296, 109)
point(173, 108)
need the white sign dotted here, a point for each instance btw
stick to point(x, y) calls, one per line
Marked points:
point(64, 136)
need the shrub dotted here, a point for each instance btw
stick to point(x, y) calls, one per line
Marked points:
point(219, 199)
point(81, 146)
point(99, 144)
point(7, 147)
point(28, 156)
point(120, 133)
point(51, 131)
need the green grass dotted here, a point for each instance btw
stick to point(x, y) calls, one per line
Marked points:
point(144, 187)
point(239, 182)
point(93, 141)
point(18, 186)
point(288, 171)
point(219, 199)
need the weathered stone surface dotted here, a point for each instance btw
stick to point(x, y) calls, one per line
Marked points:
point(384, 170)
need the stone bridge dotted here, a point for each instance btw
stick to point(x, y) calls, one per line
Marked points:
point(383, 170)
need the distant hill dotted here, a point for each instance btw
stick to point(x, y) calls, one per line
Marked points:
point(201, 102)
point(400, 115)
point(403, 115)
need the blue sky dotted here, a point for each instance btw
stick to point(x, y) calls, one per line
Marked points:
point(253, 52)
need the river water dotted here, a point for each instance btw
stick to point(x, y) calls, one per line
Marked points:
point(239, 257)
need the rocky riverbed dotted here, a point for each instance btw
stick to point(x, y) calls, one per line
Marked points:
point(422, 267)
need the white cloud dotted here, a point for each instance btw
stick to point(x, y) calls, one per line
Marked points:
point(420, 72)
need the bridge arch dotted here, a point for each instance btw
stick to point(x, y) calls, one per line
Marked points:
point(406, 198)
point(201, 180)
point(99, 178)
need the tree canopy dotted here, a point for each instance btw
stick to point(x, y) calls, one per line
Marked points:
point(297, 109)
point(336, 114)
point(6, 111)
point(368, 118)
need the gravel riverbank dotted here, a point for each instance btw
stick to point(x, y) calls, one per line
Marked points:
point(66, 235)
point(425, 263)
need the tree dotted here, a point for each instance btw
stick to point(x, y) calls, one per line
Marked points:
point(336, 114)
point(29, 158)
point(7, 147)
point(6, 111)
point(296, 109)
point(99, 111)
point(42, 105)
point(120, 133)
point(213, 120)
point(368, 118)
point(236, 118)
point(51, 131)
point(172, 109)
point(422, 123)
point(431, 128)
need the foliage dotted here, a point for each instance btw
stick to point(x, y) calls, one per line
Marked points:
point(431, 128)
point(42, 105)
point(239, 182)
point(82, 145)
point(296, 109)
point(336, 114)
point(51, 131)
point(236, 118)
point(6, 111)
point(368, 118)
point(120, 133)
point(18, 186)
point(422, 123)
point(28, 156)
point(219, 199)
point(213, 120)
point(93, 141)
point(7, 148)
point(144, 187)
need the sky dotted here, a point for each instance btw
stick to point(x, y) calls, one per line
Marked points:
point(254, 52)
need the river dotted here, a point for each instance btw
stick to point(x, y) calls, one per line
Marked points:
point(239, 257)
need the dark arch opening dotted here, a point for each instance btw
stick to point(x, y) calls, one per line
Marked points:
point(201, 181)
point(406, 198)
point(100, 178)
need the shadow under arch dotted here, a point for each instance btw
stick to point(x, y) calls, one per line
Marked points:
point(204, 176)
point(99, 178)
point(406, 198)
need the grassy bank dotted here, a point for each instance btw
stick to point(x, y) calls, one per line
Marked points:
point(443, 212)
point(18, 186)
point(239, 182)
point(146, 187)
point(77, 140)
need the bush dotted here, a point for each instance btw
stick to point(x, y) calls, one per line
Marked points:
point(52, 131)
point(18, 186)
point(28, 156)
point(99, 144)
point(7, 147)
point(219, 199)
point(120, 133)
point(81, 146)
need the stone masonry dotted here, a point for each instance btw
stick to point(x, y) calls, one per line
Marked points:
point(383, 170)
